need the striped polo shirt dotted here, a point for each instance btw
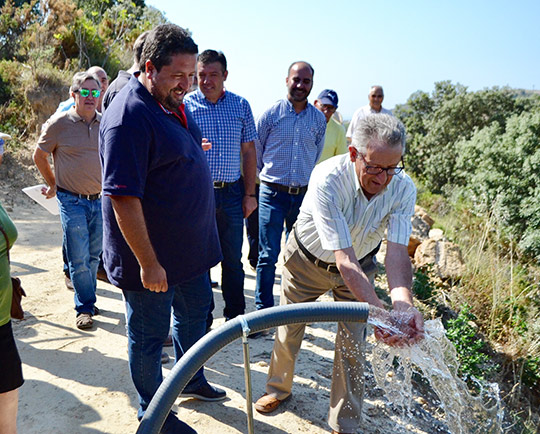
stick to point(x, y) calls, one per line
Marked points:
point(335, 213)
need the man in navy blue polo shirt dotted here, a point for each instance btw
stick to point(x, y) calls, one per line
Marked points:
point(226, 120)
point(160, 234)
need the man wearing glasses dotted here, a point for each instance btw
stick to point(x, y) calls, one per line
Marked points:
point(350, 202)
point(376, 97)
point(72, 139)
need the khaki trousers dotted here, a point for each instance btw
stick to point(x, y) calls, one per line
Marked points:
point(302, 281)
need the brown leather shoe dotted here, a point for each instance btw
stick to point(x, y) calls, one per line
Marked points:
point(268, 404)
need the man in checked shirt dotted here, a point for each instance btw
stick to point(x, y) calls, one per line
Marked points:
point(225, 119)
point(291, 139)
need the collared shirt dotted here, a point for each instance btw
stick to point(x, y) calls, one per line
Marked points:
point(335, 142)
point(360, 114)
point(335, 213)
point(74, 146)
point(147, 153)
point(226, 124)
point(289, 143)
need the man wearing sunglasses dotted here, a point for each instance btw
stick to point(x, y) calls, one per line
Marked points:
point(375, 97)
point(72, 139)
point(350, 202)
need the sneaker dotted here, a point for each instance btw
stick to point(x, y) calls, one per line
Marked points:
point(69, 283)
point(206, 392)
point(96, 311)
point(173, 425)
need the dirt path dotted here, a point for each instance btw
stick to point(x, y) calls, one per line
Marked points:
point(78, 381)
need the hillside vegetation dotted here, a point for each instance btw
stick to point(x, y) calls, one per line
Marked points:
point(476, 159)
point(474, 155)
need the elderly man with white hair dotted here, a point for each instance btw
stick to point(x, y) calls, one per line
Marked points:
point(350, 201)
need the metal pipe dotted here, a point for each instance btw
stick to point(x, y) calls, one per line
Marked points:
point(247, 373)
point(211, 343)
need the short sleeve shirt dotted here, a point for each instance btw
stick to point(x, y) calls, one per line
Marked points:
point(226, 124)
point(147, 153)
point(335, 142)
point(289, 144)
point(74, 147)
point(360, 114)
point(336, 215)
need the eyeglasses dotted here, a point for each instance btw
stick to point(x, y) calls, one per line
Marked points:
point(375, 170)
point(85, 92)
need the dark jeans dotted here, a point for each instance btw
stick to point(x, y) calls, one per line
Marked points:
point(230, 223)
point(275, 209)
point(252, 231)
point(148, 318)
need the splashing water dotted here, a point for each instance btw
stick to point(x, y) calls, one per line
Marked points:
point(435, 359)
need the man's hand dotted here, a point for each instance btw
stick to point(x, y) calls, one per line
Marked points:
point(206, 145)
point(154, 278)
point(399, 327)
point(249, 204)
point(49, 192)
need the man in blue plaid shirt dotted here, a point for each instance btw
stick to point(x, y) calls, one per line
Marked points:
point(226, 120)
point(291, 139)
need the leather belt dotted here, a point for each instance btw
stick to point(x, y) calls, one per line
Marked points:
point(366, 263)
point(290, 190)
point(80, 196)
point(331, 268)
point(223, 184)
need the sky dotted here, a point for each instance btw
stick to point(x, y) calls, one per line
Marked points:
point(404, 46)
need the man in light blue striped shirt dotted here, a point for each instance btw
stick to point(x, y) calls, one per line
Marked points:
point(291, 139)
point(225, 119)
point(350, 202)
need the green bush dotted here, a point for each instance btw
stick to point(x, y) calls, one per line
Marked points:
point(461, 332)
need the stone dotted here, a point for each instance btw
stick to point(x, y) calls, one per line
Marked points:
point(420, 232)
point(436, 234)
point(444, 255)
point(422, 213)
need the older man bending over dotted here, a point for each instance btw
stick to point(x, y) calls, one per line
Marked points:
point(350, 201)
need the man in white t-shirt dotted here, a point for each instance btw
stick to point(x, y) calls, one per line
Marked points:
point(376, 97)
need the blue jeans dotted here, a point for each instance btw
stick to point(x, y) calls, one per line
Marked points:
point(230, 224)
point(83, 231)
point(275, 209)
point(148, 318)
point(252, 232)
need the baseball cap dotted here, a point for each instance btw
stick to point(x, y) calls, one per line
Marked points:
point(328, 96)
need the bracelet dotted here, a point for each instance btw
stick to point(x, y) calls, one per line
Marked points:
point(251, 195)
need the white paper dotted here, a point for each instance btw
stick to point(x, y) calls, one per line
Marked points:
point(34, 192)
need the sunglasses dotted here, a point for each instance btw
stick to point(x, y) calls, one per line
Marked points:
point(85, 92)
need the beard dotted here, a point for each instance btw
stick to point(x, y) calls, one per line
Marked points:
point(169, 99)
point(298, 95)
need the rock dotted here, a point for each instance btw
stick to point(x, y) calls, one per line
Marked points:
point(436, 234)
point(445, 256)
point(422, 213)
point(420, 232)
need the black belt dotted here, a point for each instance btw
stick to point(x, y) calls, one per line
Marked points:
point(223, 184)
point(290, 190)
point(366, 263)
point(80, 196)
point(331, 268)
